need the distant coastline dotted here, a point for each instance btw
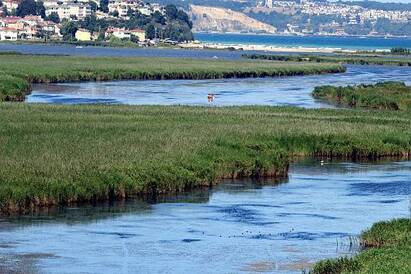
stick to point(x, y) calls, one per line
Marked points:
point(299, 43)
point(304, 35)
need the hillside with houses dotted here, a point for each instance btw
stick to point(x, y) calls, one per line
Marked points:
point(114, 21)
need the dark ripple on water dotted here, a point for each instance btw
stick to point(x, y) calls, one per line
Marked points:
point(386, 188)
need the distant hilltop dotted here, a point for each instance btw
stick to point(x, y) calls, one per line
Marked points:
point(225, 20)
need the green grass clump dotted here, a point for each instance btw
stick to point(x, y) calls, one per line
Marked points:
point(384, 95)
point(53, 154)
point(13, 88)
point(45, 69)
point(355, 59)
point(390, 252)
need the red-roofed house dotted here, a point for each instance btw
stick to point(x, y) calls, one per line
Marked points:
point(10, 34)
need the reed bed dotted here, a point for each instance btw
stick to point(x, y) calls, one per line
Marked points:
point(53, 155)
point(354, 59)
point(384, 95)
point(387, 250)
point(13, 88)
point(54, 69)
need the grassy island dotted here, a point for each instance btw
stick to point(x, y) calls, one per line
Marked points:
point(387, 250)
point(54, 154)
point(384, 95)
point(355, 59)
point(19, 71)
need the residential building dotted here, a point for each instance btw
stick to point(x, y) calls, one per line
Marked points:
point(118, 32)
point(68, 10)
point(139, 33)
point(83, 35)
point(8, 34)
point(123, 6)
point(10, 4)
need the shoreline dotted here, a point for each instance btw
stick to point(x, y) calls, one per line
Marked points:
point(199, 45)
point(43, 204)
point(267, 48)
point(304, 35)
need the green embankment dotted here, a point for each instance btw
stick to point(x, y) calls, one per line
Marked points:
point(43, 69)
point(60, 154)
point(387, 251)
point(384, 95)
point(355, 59)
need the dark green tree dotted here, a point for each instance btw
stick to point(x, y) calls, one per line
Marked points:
point(171, 12)
point(26, 7)
point(178, 31)
point(150, 31)
point(182, 16)
point(69, 30)
point(54, 17)
point(159, 18)
point(90, 23)
point(40, 9)
point(93, 6)
point(104, 5)
point(31, 7)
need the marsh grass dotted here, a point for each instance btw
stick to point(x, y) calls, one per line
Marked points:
point(387, 250)
point(61, 154)
point(46, 69)
point(13, 88)
point(354, 59)
point(384, 95)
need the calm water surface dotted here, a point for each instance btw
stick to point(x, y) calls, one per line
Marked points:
point(292, 91)
point(237, 227)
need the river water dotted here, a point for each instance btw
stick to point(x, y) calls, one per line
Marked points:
point(290, 91)
point(237, 227)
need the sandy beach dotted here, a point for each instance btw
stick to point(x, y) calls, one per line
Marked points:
point(197, 45)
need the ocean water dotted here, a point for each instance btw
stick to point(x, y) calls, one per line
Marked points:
point(342, 42)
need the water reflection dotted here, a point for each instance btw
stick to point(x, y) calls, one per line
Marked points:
point(238, 226)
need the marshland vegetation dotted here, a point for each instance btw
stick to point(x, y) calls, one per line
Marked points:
point(387, 250)
point(53, 154)
point(355, 59)
point(383, 95)
point(27, 69)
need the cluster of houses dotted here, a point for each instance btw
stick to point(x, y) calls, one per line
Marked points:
point(34, 27)
point(122, 7)
point(14, 28)
point(121, 33)
point(27, 28)
point(68, 9)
